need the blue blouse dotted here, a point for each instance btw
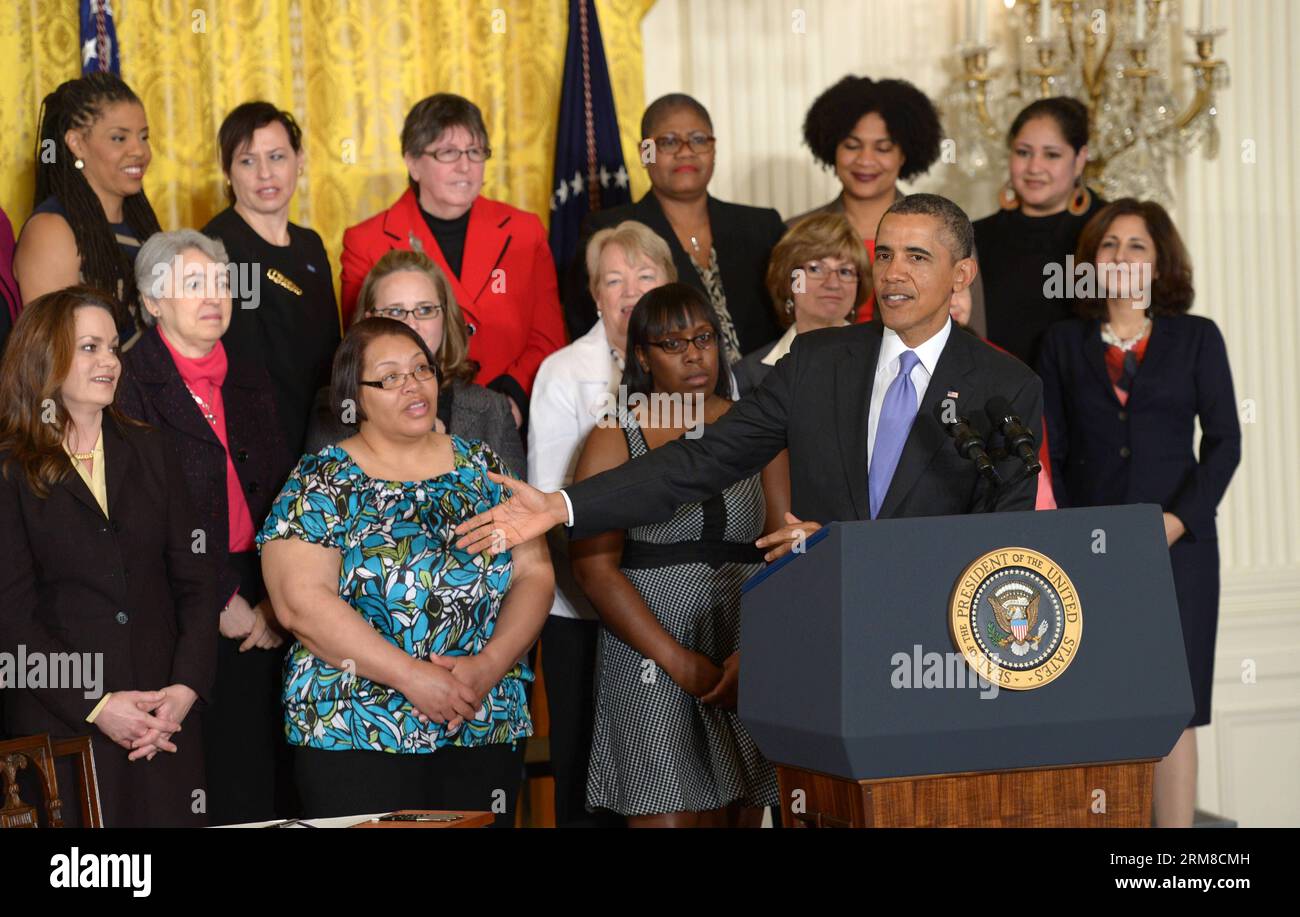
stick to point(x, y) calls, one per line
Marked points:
point(400, 570)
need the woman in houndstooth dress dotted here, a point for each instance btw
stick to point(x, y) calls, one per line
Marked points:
point(668, 748)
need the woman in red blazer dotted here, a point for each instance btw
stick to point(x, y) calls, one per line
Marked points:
point(496, 256)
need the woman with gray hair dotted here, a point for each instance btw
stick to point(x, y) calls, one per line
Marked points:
point(495, 256)
point(219, 417)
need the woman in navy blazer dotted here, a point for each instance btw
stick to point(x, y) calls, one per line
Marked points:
point(1123, 387)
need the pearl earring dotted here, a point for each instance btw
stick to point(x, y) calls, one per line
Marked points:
point(79, 164)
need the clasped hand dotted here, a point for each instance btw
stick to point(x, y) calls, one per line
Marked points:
point(452, 689)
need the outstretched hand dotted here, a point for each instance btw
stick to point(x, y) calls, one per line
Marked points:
point(525, 514)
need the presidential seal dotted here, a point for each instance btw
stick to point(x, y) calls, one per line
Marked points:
point(1016, 619)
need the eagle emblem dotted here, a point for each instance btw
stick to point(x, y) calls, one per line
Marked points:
point(1015, 618)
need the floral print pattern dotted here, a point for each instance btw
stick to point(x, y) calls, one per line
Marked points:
point(400, 570)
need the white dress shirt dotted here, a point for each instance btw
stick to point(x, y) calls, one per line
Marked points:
point(887, 365)
point(570, 393)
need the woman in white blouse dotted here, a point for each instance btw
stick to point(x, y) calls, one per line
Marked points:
point(573, 389)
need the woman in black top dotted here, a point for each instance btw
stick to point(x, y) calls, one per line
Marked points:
point(1045, 206)
point(285, 316)
point(719, 248)
point(1124, 386)
point(99, 563)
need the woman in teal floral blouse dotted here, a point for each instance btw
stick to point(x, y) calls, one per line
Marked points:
point(405, 688)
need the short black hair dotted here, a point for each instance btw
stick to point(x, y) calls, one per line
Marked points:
point(908, 113)
point(238, 127)
point(671, 307)
point(958, 232)
point(663, 105)
point(345, 377)
point(1070, 115)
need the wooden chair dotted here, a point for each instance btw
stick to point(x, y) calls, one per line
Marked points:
point(40, 754)
point(79, 749)
point(15, 756)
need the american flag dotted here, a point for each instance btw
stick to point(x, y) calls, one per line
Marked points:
point(589, 170)
point(99, 52)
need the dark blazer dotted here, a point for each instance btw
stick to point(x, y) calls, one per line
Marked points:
point(1104, 453)
point(151, 390)
point(743, 237)
point(128, 587)
point(815, 402)
point(476, 413)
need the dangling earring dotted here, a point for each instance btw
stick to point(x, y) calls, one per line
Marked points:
point(78, 164)
point(789, 307)
point(1081, 200)
point(1007, 198)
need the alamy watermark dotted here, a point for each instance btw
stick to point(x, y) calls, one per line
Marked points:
point(23, 670)
point(660, 410)
point(1098, 281)
point(179, 279)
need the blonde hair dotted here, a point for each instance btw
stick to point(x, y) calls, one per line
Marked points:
point(453, 352)
point(636, 239)
point(822, 235)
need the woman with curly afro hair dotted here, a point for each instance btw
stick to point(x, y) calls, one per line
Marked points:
point(872, 133)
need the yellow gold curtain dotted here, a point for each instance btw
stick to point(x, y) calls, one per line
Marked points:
point(348, 69)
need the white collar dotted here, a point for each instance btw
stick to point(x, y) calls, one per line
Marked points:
point(781, 347)
point(892, 346)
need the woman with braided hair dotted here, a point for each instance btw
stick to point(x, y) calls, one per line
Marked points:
point(90, 211)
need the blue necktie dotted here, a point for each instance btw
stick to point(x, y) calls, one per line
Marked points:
point(896, 417)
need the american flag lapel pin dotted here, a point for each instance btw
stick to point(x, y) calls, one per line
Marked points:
point(954, 394)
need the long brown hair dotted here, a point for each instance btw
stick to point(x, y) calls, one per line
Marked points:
point(33, 420)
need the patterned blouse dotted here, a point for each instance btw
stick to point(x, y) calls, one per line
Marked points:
point(400, 571)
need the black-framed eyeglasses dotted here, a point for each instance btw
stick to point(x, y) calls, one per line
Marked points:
point(422, 373)
point(703, 341)
point(698, 142)
point(450, 154)
point(419, 310)
point(821, 272)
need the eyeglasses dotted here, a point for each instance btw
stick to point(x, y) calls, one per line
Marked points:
point(423, 373)
point(420, 310)
point(821, 273)
point(702, 342)
point(671, 143)
point(452, 154)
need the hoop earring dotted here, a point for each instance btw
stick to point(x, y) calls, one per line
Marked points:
point(1081, 200)
point(1007, 198)
point(78, 164)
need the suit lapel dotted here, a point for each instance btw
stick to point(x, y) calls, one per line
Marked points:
point(119, 461)
point(951, 373)
point(1158, 347)
point(855, 373)
point(157, 370)
point(405, 228)
point(1094, 354)
point(487, 239)
point(79, 489)
point(648, 211)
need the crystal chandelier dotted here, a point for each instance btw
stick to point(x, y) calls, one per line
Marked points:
point(1115, 56)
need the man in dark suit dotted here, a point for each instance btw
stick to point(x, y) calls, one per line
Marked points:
point(864, 438)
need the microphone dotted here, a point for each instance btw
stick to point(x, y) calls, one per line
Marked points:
point(1019, 440)
point(969, 440)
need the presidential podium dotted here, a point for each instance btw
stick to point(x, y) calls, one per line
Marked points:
point(1009, 669)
